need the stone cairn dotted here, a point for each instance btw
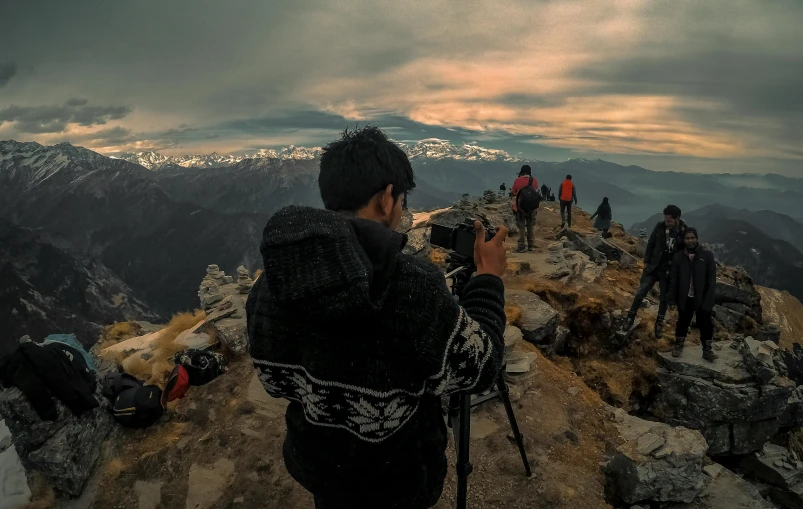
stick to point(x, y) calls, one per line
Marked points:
point(209, 292)
point(244, 281)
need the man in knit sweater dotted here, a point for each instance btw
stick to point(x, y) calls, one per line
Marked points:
point(364, 340)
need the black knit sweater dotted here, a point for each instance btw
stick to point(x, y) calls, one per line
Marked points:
point(363, 340)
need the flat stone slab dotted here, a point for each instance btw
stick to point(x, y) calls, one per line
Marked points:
point(774, 465)
point(727, 368)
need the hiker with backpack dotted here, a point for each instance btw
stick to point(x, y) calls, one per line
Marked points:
point(526, 201)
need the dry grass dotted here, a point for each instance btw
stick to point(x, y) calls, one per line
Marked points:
point(513, 314)
point(257, 274)
point(158, 365)
point(609, 379)
point(115, 468)
point(42, 496)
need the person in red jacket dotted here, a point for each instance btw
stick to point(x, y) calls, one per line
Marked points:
point(566, 194)
point(525, 221)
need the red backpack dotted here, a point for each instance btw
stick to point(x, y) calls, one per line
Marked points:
point(177, 385)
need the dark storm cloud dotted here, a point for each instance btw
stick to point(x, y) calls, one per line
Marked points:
point(55, 119)
point(7, 71)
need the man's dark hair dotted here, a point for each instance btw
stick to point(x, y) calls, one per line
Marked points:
point(362, 163)
point(690, 229)
point(672, 210)
point(526, 170)
point(569, 177)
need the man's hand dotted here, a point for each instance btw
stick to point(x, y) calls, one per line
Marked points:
point(490, 257)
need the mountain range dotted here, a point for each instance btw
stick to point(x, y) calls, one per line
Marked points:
point(45, 290)
point(767, 244)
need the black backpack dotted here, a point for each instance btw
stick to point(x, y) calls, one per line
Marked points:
point(529, 199)
point(202, 366)
point(116, 382)
point(138, 407)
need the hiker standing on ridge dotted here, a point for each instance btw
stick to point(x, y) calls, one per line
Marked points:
point(526, 201)
point(666, 240)
point(692, 288)
point(566, 193)
point(604, 217)
point(363, 339)
point(502, 189)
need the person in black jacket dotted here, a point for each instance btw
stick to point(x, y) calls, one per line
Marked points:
point(666, 239)
point(604, 215)
point(363, 340)
point(692, 288)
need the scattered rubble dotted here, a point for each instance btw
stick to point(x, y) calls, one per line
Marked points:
point(657, 462)
point(782, 470)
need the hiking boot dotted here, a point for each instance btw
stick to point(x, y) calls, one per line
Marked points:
point(708, 353)
point(521, 249)
point(628, 323)
point(530, 248)
point(659, 327)
point(678, 348)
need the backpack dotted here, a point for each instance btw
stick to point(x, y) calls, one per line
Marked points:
point(116, 382)
point(138, 407)
point(202, 367)
point(178, 383)
point(529, 199)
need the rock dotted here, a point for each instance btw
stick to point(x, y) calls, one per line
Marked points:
point(555, 342)
point(727, 491)
point(734, 286)
point(407, 222)
point(482, 427)
point(741, 309)
point(538, 319)
point(620, 415)
point(621, 338)
point(205, 486)
point(14, 490)
point(675, 476)
point(730, 319)
point(149, 494)
point(762, 465)
point(759, 359)
point(5, 436)
point(560, 272)
point(521, 365)
point(228, 280)
point(418, 242)
point(209, 293)
point(736, 413)
point(574, 391)
point(233, 333)
point(648, 443)
point(555, 247)
point(219, 314)
point(769, 333)
point(513, 337)
point(581, 243)
point(65, 451)
point(713, 470)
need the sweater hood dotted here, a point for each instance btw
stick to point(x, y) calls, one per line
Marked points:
point(327, 263)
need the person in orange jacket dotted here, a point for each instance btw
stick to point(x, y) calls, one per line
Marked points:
point(566, 194)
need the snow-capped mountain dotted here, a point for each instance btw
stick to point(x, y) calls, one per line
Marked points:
point(155, 161)
point(432, 148)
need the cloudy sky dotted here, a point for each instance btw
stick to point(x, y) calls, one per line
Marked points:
point(689, 85)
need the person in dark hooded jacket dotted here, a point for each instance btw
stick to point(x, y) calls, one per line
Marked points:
point(363, 340)
point(692, 289)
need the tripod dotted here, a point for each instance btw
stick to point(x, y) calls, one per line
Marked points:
point(460, 270)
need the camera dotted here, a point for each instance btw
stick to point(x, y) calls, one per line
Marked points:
point(459, 238)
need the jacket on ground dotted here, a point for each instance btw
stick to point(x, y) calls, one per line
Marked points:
point(364, 340)
point(703, 271)
point(658, 254)
point(519, 184)
point(42, 372)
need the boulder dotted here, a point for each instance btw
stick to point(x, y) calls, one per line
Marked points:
point(657, 462)
point(735, 411)
point(538, 319)
point(64, 451)
point(734, 286)
point(769, 333)
point(418, 242)
point(730, 319)
point(581, 243)
point(759, 359)
point(726, 490)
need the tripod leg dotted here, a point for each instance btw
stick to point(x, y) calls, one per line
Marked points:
point(503, 390)
point(462, 432)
